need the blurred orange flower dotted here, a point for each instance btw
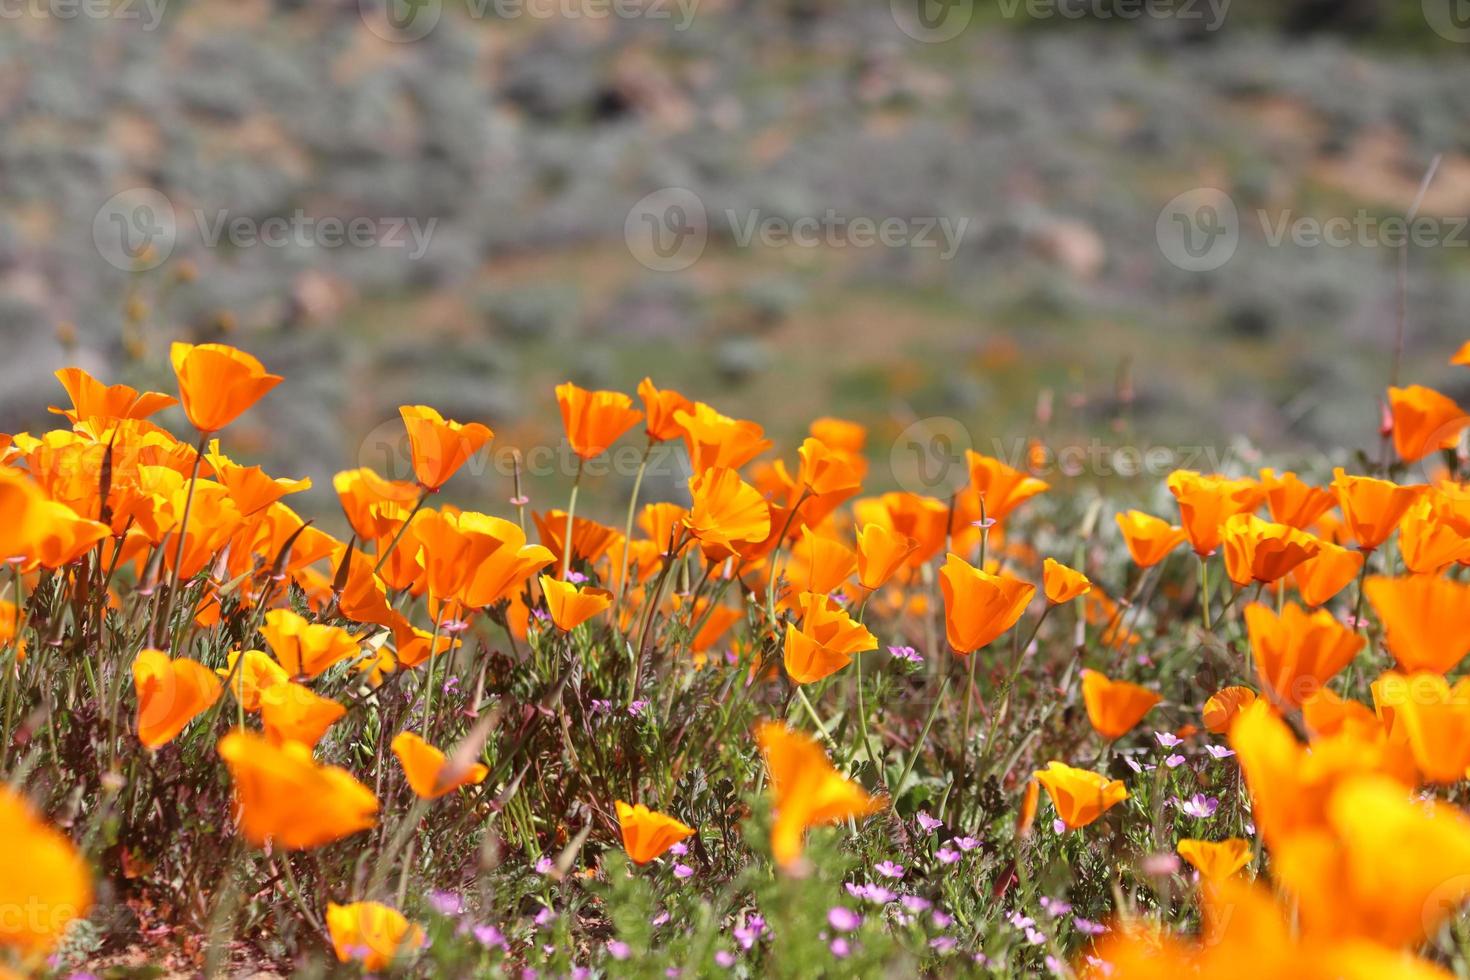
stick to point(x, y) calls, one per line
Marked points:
point(288, 799)
point(1293, 502)
point(218, 383)
point(255, 673)
point(1114, 707)
point(293, 712)
point(171, 693)
point(594, 420)
point(1462, 356)
point(46, 883)
point(648, 833)
point(1149, 539)
point(826, 641)
point(1435, 717)
point(439, 446)
point(979, 606)
point(820, 564)
point(1297, 653)
point(571, 605)
point(1062, 584)
point(1000, 488)
point(1430, 535)
point(1427, 620)
point(430, 773)
point(371, 934)
point(1080, 796)
point(1424, 421)
point(807, 791)
point(1221, 707)
point(1324, 575)
point(715, 440)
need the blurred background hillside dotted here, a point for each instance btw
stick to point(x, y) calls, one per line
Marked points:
point(498, 157)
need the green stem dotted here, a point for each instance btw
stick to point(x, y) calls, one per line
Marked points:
point(566, 541)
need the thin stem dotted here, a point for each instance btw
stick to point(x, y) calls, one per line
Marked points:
point(160, 628)
point(1204, 591)
point(566, 541)
point(628, 529)
point(418, 505)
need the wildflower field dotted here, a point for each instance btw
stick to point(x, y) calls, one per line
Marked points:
point(781, 726)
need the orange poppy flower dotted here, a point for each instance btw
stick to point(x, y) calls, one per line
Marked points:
point(1062, 584)
point(571, 605)
point(1207, 502)
point(922, 519)
point(1427, 620)
point(171, 693)
point(1371, 508)
point(372, 934)
point(1079, 795)
point(1222, 707)
point(1430, 535)
point(440, 446)
point(289, 800)
point(1326, 713)
point(661, 523)
point(727, 514)
point(806, 790)
point(296, 713)
point(91, 399)
point(590, 540)
point(881, 551)
point(1462, 356)
point(999, 487)
point(475, 558)
point(1216, 860)
point(59, 536)
point(1114, 707)
point(218, 383)
point(594, 420)
point(304, 648)
point(826, 641)
point(255, 673)
point(1149, 539)
point(429, 772)
point(47, 884)
point(374, 506)
point(1327, 573)
point(715, 440)
point(1259, 551)
point(648, 833)
point(1026, 812)
point(820, 564)
point(1296, 654)
point(979, 606)
point(1385, 868)
point(1293, 502)
point(824, 479)
point(1435, 717)
point(843, 435)
point(250, 487)
point(659, 409)
point(1424, 421)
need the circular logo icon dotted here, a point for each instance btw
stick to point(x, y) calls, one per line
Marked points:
point(932, 21)
point(385, 450)
point(1450, 19)
point(135, 230)
point(667, 230)
point(928, 457)
point(1444, 901)
point(1448, 438)
point(400, 21)
point(1199, 230)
